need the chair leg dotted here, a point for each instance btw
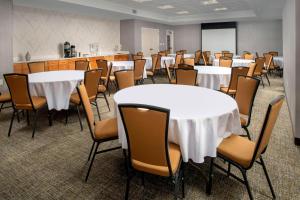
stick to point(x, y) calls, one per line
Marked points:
point(262, 81)
point(18, 118)
point(127, 187)
point(93, 158)
point(125, 161)
point(97, 109)
point(1, 106)
point(91, 150)
point(182, 181)
point(247, 184)
point(50, 117)
point(152, 78)
point(34, 123)
point(106, 100)
point(67, 116)
point(27, 117)
point(11, 122)
point(79, 117)
point(209, 183)
point(267, 176)
point(247, 131)
point(268, 79)
point(229, 169)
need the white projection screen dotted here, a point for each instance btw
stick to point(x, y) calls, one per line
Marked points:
point(217, 40)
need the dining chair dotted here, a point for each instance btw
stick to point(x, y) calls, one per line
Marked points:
point(103, 86)
point(140, 53)
point(252, 67)
point(4, 99)
point(18, 86)
point(136, 57)
point(178, 60)
point(171, 80)
point(36, 67)
point(189, 61)
point(260, 71)
point(223, 62)
point(198, 55)
point(139, 68)
point(106, 74)
point(162, 53)
point(225, 51)
point(101, 131)
point(179, 52)
point(243, 153)
point(218, 55)
point(235, 72)
point(124, 78)
point(82, 65)
point(274, 53)
point(156, 62)
point(245, 95)
point(164, 159)
point(269, 63)
point(186, 76)
point(91, 81)
point(249, 56)
point(102, 64)
point(228, 55)
point(206, 58)
point(185, 66)
point(257, 55)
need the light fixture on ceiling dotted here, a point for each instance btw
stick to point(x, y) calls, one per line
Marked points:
point(210, 2)
point(182, 12)
point(221, 9)
point(164, 7)
point(141, 1)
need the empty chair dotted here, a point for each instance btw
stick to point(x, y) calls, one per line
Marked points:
point(206, 58)
point(252, 67)
point(103, 64)
point(171, 80)
point(243, 153)
point(249, 56)
point(91, 81)
point(4, 98)
point(156, 62)
point(198, 55)
point(228, 55)
point(260, 71)
point(35, 67)
point(124, 79)
point(164, 159)
point(140, 53)
point(223, 52)
point(189, 61)
point(136, 57)
point(101, 131)
point(245, 95)
point(82, 65)
point(218, 55)
point(138, 68)
point(103, 86)
point(225, 62)
point(274, 53)
point(186, 76)
point(22, 100)
point(185, 66)
point(235, 72)
point(178, 60)
point(269, 63)
point(162, 53)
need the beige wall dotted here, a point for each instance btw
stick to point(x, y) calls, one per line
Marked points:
point(42, 31)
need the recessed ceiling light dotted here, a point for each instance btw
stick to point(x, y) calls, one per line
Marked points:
point(141, 1)
point(164, 7)
point(221, 9)
point(210, 2)
point(182, 12)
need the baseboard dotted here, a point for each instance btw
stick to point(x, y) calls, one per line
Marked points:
point(297, 141)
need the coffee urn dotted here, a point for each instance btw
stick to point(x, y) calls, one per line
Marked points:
point(67, 50)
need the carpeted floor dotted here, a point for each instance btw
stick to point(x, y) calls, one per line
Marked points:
point(53, 164)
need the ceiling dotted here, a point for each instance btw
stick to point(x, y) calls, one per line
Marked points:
point(178, 12)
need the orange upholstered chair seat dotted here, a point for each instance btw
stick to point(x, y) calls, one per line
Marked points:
point(106, 129)
point(38, 102)
point(5, 97)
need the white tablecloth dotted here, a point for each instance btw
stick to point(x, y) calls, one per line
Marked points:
point(122, 65)
point(236, 62)
point(56, 86)
point(169, 60)
point(278, 60)
point(199, 119)
point(184, 56)
point(213, 77)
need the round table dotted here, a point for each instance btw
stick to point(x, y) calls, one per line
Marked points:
point(56, 86)
point(125, 65)
point(199, 119)
point(169, 60)
point(213, 77)
point(236, 62)
point(278, 60)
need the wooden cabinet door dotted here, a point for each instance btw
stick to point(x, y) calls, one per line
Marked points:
point(63, 65)
point(52, 65)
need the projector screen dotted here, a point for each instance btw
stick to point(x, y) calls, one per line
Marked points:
point(217, 40)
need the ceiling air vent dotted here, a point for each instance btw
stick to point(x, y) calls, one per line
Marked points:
point(134, 11)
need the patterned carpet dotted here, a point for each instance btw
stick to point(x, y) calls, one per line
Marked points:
point(53, 164)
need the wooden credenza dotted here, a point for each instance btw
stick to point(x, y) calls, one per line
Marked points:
point(68, 63)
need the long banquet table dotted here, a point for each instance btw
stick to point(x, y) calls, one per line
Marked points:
point(199, 119)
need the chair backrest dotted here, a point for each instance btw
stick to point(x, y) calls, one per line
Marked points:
point(267, 128)
point(82, 65)
point(189, 61)
point(260, 63)
point(245, 94)
point(162, 53)
point(91, 82)
point(186, 76)
point(179, 52)
point(252, 67)
point(19, 89)
point(228, 55)
point(124, 78)
point(136, 57)
point(178, 59)
point(205, 57)
point(218, 55)
point(249, 56)
point(154, 61)
point(139, 66)
point(223, 52)
point(35, 67)
point(185, 66)
point(268, 61)
point(225, 62)
point(147, 144)
point(86, 104)
point(108, 75)
point(168, 71)
point(235, 73)
point(198, 56)
point(103, 65)
point(274, 53)
point(140, 53)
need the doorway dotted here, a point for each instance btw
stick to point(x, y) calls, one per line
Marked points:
point(150, 41)
point(170, 41)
